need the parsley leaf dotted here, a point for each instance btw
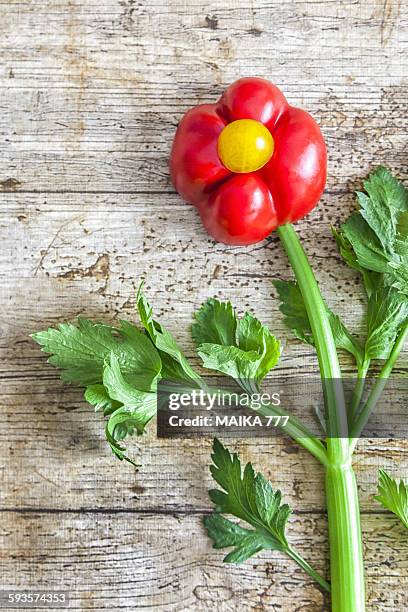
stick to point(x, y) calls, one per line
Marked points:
point(241, 348)
point(393, 496)
point(296, 319)
point(248, 496)
point(246, 542)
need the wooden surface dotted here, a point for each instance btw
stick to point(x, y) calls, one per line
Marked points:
point(91, 93)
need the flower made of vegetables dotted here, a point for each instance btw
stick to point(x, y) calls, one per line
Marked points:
point(249, 163)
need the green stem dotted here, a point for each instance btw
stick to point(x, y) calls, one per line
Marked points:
point(293, 428)
point(378, 387)
point(358, 391)
point(298, 431)
point(322, 334)
point(346, 564)
point(346, 554)
point(308, 568)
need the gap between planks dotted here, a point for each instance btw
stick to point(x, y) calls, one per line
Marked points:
point(161, 511)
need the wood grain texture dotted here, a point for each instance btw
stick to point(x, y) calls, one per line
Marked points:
point(91, 93)
point(166, 563)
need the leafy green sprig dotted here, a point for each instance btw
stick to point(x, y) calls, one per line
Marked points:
point(120, 368)
point(241, 348)
point(247, 351)
point(250, 497)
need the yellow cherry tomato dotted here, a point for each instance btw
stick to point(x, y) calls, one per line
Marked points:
point(245, 145)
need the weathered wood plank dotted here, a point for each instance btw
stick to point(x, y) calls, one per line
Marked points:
point(151, 562)
point(92, 97)
point(100, 248)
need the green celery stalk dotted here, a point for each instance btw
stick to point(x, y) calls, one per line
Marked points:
point(346, 559)
point(361, 419)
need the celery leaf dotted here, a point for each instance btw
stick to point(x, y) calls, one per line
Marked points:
point(296, 319)
point(98, 396)
point(387, 311)
point(216, 323)
point(375, 238)
point(80, 351)
point(393, 496)
point(250, 497)
point(175, 366)
point(242, 348)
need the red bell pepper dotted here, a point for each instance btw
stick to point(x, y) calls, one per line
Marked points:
point(249, 163)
